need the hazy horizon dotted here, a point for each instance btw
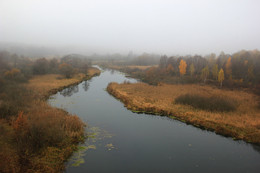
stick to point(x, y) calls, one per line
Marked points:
point(114, 26)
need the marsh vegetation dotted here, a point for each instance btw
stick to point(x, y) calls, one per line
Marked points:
point(213, 103)
point(35, 136)
point(228, 112)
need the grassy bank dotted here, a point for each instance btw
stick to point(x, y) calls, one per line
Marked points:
point(45, 85)
point(41, 138)
point(243, 122)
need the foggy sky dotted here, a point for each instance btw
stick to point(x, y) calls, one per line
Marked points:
point(153, 26)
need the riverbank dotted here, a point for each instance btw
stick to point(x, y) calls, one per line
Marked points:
point(242, 123)
point(42, 138)
point(46, 85)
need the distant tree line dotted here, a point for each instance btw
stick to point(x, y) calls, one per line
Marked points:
point(144, 59)
point(13, 66)
point(16, 70)
point(239, 69)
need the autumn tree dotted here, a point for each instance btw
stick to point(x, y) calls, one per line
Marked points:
point(150, 72)
point(40, 66)
point(228, 69)
point(11, 74)
point(20, 124)
point(66, 70)
point(182, 67)
point(192, 70)
point(21, 134)
point(214, 71)
point(221, 76)
point(205, 73)
point(162, 71)
point(170, 69)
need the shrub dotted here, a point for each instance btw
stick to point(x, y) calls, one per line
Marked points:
point(39, 141)
point(67, 70)
point(213, 103)
point(9, 160)
point(40, 66)
point(15, 75)
point(14, 97)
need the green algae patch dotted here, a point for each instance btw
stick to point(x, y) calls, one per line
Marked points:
point(110, 147)
point(78, 157)
point(95, 136)
point(78, 162)
point(91, 147)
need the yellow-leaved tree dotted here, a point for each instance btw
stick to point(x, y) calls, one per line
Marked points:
point(192, 69)
point(205, 73)
point(12, 73)
point(221, 76)
point(228, 69)
point(182, 67)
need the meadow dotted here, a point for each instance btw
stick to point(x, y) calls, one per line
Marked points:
point(240, 122)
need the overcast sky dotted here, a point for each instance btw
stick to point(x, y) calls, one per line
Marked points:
point(153, 26)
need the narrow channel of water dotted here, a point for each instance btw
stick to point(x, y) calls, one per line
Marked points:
point(122, 141)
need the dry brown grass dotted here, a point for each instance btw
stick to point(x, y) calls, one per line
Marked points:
point(92, 71)
point(243, 123)
point(44, 85)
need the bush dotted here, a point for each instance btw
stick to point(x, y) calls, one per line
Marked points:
point(67, 70)
point(213, 103)
point(40, 66)
point(14, 97)
point(39, 141)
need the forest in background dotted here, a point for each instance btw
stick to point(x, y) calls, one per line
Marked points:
point(241, 69)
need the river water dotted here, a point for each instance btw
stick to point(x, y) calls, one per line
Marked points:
point(123, 141)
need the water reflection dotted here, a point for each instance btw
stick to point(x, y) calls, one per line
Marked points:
point(85, 85)
point(67, 92)
point(112, 71)
point(256, 148)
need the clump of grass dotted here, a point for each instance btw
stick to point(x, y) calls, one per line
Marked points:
point(213, 103)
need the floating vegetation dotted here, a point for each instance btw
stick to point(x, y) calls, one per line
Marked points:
point(78, 162)
point(95, 134)
point(91, 147)
point(78, 157)
point(110, 147)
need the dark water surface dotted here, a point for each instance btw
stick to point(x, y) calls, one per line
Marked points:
point(122, 141)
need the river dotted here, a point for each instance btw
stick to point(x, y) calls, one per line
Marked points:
point(123, 141)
